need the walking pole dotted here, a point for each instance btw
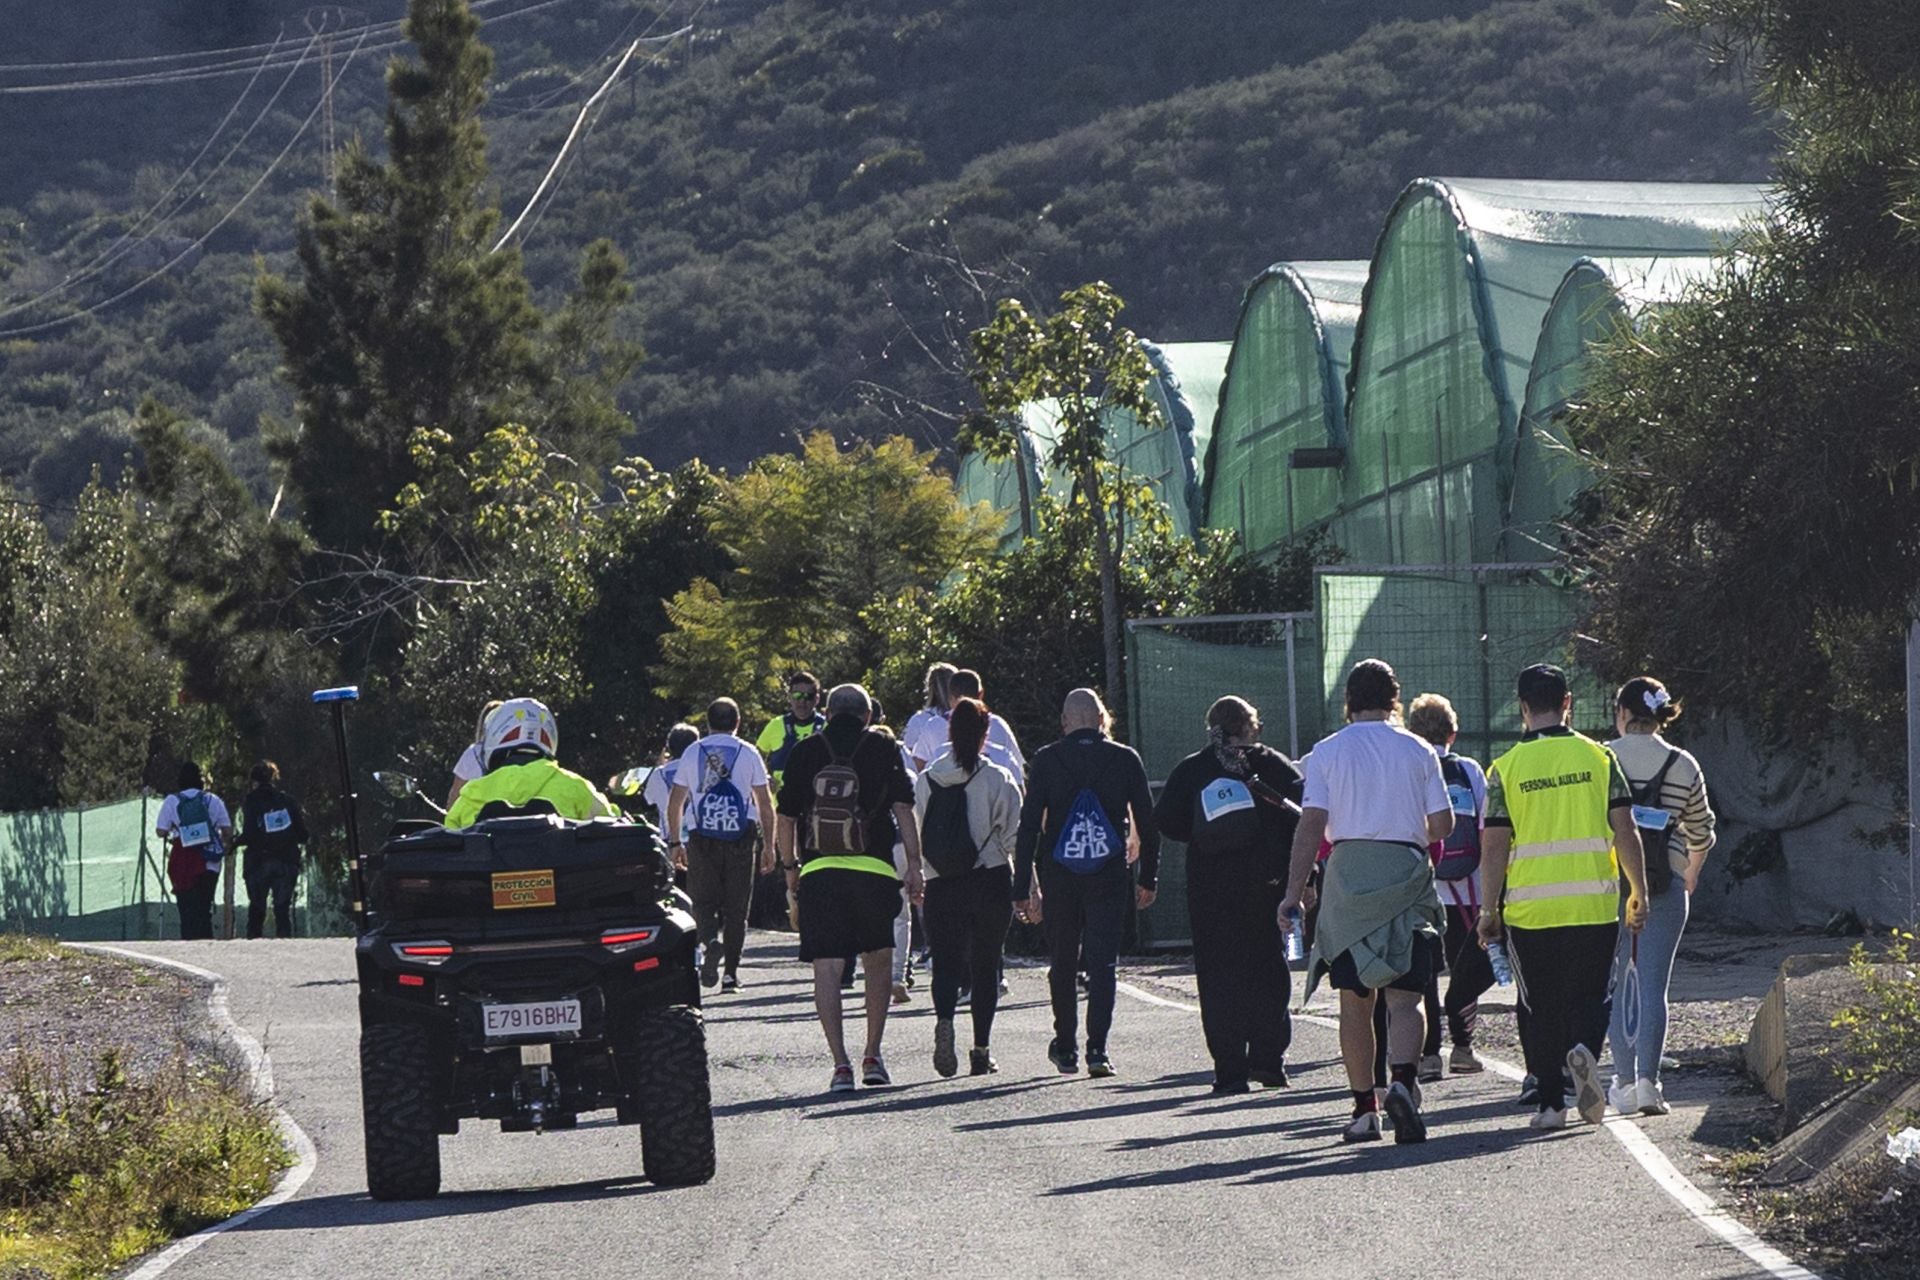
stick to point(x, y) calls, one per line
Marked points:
point(338, 700)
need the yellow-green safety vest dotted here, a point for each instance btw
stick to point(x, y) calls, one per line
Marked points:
point(1562, 870)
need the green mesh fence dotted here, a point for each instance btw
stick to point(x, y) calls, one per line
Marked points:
point(1176, 668)
point(98, 874)
point(1464, 632)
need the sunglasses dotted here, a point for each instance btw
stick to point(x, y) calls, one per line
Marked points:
point(804, 695)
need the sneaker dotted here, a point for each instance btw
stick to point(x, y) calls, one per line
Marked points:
point(980, 1063)
point(1463, 1062)
point(1364, 1127)
point(1064, 1057)
point(1653, 1102)
point(1548, 1118)
point(945, 1061)
point(1669, 1064)
point(1099, 1066)
point(1005, 986)
point(842, 1078)
point(901, 995)
point(730, 983)
point(874, 1072)
point(1408, 1124)
point(964, 999)
point(710, 967)
point(1588, 1097)
point(1273, 1079)
point(1430, 1069)
point(1529, 1093)
point(1623, 1097)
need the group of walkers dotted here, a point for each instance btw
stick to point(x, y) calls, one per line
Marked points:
point(1383, 860)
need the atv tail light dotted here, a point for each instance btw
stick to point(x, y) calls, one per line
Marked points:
point(618, 940)
point(427, 953)
point(651, 962)
point(412, 980)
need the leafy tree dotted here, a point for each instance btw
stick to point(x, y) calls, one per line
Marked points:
point(826, 545)
point(1089, 366)
point(406, 317)
point(1754, 532)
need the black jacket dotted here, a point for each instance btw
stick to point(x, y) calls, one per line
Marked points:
point(254, 836)
point(1112, 770)
point(1175, 811)
point(875, 757)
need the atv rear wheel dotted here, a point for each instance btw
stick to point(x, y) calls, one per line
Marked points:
point(664, 1070)
point(398, 1114)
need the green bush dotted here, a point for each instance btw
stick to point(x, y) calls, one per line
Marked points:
point(1881, 1034)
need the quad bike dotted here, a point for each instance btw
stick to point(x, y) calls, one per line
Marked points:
point(527, 970)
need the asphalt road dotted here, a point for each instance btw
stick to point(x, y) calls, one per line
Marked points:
point(1023, 1174)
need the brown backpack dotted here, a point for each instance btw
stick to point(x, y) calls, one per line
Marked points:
point(836, 824)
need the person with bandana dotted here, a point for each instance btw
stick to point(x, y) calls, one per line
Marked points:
point(1234, 803)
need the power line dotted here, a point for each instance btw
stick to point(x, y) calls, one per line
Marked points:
point(112, 252)
point(199, 242)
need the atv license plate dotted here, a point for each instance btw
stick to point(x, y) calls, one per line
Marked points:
point(513, 889)
point(541, 1018)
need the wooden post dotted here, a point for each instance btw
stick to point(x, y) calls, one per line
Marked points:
point(226, 913)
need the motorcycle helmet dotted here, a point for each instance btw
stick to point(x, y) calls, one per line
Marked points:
point(520, 724)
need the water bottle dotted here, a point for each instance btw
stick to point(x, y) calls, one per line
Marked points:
point(1497, 957)
point(1296, 936)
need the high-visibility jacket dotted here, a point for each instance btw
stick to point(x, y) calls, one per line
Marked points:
point(1562, 870)
point(571, 795)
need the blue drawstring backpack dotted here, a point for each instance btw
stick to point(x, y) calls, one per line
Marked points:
point(722, 811)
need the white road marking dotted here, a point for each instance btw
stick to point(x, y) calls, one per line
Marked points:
point(1702, 1207)
point(260, 1079)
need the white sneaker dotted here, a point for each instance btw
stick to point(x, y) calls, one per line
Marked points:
point(1430, 1068)
point(1364, 1127)
point(1623, 1097)
point(1552, 1118)
point(1652, 1101)
point(1403, 1104)
point(1588, 1097)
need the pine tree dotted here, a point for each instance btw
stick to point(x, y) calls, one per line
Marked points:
point(405, 317)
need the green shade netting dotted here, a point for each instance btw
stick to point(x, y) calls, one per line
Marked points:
point(83, 873)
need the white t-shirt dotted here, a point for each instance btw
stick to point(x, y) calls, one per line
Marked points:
point(1377, 782)
point(697, 772)
point(658, 787)
point(469, 766)
point(926, 739)
point(168, 823)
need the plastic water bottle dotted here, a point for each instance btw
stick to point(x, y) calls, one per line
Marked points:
point(1296, 936)
point(1497, 957)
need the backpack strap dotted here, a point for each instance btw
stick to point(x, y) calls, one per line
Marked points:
point(1648, 793)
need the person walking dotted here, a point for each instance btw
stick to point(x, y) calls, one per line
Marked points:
point(925, 736)
point(272, 833)
point(968, 808)
point(1669, 800)
point(803, 718)
point(1375, 792)
point(1456, 873)
point(1235, 803)
point(1002, 747)
point(658, 789)
point(1073, 869)
point(720, 792)
point(844, 800)
point(1559, 837)
point(199, 830)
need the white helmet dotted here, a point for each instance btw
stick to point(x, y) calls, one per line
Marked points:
point(520, 722)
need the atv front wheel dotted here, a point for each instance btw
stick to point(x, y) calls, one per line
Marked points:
point(664, 1070)
point(397, 1113)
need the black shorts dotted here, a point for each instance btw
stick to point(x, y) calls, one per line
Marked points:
point(846, 913)
point(1428, 960)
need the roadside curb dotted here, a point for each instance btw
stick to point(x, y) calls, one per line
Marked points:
point(260, 1083)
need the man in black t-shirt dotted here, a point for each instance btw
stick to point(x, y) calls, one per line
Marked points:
point(272, 831)
point(845, 798)
point(1235, 803)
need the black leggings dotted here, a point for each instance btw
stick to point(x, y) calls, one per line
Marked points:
point(1469, 976)
point(967, 918)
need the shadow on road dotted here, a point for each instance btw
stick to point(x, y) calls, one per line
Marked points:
point(361, 1211)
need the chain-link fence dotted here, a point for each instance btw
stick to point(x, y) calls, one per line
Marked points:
point(1176, 668)
point(1464, 631)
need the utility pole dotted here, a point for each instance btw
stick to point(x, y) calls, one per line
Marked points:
point(325, 23)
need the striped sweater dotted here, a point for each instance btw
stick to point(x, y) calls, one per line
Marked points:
point(1683, 793)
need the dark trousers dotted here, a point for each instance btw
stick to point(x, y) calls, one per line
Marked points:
point(967, 918)
point(720, 882)
point(1562, 976)
point(1085, 916)
point(1469, 976)
point(1240, 961)
point(196, 907)
point(270, 877)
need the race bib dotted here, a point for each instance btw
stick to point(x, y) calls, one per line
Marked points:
point(1461, 798)
point(276, 821)
point(1224, 796)
point(1651, 817)
point(195, 834)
